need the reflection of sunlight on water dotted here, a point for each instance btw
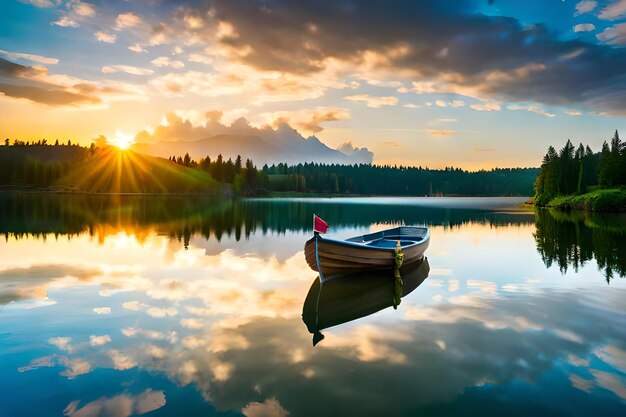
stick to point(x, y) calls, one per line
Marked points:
point(123, 240)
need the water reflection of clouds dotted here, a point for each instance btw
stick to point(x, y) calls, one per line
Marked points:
point(426, 359)
point(122, 405)
point(229, 323)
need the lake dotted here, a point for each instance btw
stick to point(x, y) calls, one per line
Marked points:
point(169, 306)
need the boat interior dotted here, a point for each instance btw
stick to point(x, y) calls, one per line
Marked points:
point(407, 235)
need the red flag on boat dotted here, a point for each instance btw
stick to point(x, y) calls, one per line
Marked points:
point(319, 225)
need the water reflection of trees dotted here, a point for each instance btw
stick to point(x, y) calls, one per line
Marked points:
point(182, 217)
point(574, 238)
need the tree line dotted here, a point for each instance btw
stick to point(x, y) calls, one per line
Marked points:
point(41, 164)
point(245, 179)
point(579, 170)
point(399, 180)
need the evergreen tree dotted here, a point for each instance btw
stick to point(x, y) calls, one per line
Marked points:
point(238, 164)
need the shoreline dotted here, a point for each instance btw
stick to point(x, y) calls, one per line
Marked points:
point(604, 201)
point(226, 194)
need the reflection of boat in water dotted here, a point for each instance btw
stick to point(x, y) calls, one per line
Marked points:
point(349, 297)
point(366, 252)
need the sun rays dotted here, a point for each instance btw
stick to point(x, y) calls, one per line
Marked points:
point(115, 170)
point(121, 140)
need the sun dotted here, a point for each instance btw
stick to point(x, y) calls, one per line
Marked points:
point(121, 140)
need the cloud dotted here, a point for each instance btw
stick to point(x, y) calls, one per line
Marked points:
point(120, 360)
point(269, 408)
point(441, 133)
point(102, 310)
point(39, 3)
point(75, 367)
point(585, 6)
point(76, 13)
point(374, 102)
point(110, 69)
point(573, 112)
point(99, 340)
point(82, 9)
point(612, 355)
point(531, 108)
point(362, 154)
point(160, 34)
point(237, 79)
point(200, 58)
point(615, 35)
point(264, 144)
point(127, 20)
point(453, 103)
point(62, 343)
point(614, 383)
point(164, 61)
point(105, 37)
point(436, 122)
point(309, 120)
point(123, 405)
point(137, 48)
point(615, 10)
point(66, 22)
point(30, 57)
point(23, 283)
point(37, 85)
point(486, 107)
point(584, 27)
point(492, 58)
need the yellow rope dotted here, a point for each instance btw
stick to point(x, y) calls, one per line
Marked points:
point(397, 263)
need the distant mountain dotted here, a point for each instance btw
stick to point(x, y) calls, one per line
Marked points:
point(263, 146)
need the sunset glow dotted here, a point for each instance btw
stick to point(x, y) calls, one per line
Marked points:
point(496, 88)
point(121, 140)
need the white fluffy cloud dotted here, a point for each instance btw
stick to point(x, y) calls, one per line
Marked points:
point(105, 37)
point(585, 6)
point(584, 27)
point(615, 35)
point(164, 61)
point(615, 10)
point(374, 102)
point(127, 20)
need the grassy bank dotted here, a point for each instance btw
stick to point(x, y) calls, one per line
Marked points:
point(599, 200)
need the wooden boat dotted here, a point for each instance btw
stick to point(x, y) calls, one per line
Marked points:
point(371, 251)
point(352, 296)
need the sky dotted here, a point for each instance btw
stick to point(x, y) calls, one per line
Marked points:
point(468, 83)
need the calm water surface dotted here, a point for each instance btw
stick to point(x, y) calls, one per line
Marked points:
point(187, 307)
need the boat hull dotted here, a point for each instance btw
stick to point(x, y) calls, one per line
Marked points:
point(340, 257)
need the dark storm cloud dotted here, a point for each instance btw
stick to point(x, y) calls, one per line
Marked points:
point(429, 39)
point(19, 81)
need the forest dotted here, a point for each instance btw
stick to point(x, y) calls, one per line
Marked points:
point(98, 169)
point(576, 171)
point(71, 167)
point(400, 180)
